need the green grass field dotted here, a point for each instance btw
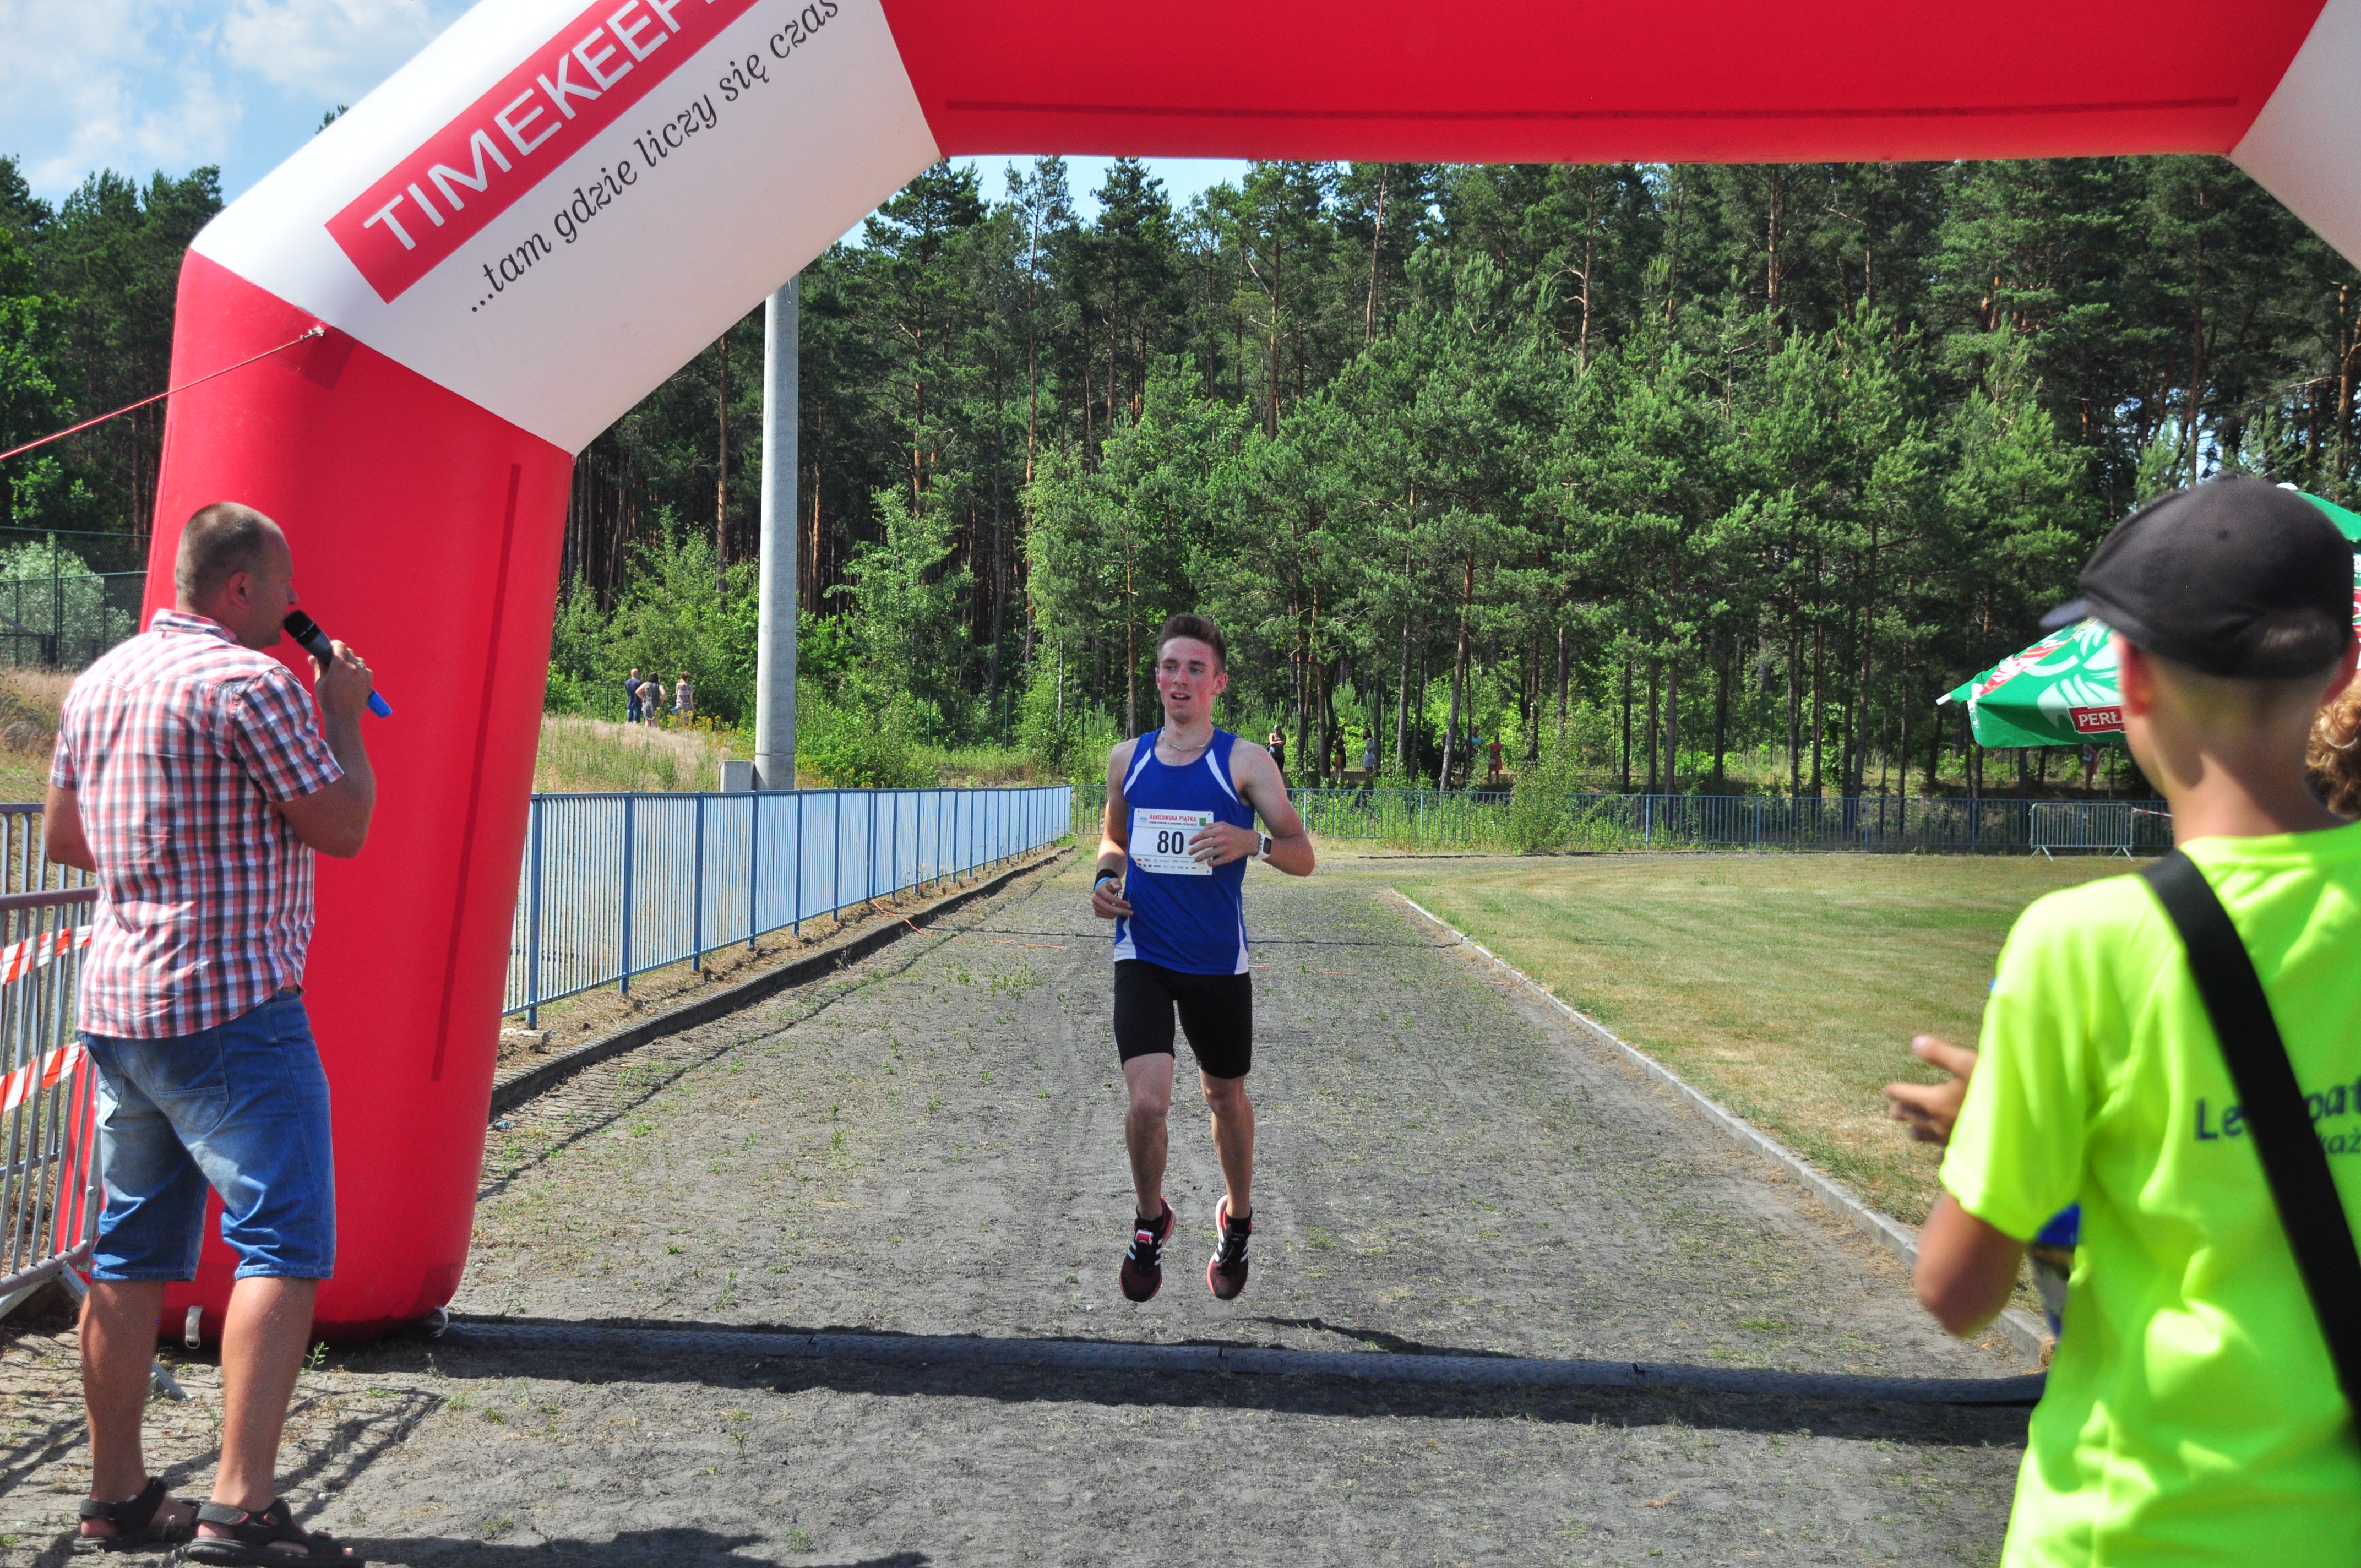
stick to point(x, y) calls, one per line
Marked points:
point(1785, 986)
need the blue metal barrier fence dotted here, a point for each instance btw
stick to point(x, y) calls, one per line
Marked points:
point(614, 885)
point(1496, 820)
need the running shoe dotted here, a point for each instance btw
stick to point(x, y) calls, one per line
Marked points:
point(1143, 1265)
point(1226, 1274)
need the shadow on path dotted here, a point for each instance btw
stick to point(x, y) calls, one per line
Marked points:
point(630, 1548)
point(1095, 939)
point(679, 1547)
point(1128, 1373)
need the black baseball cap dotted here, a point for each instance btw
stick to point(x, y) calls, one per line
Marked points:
point(2235, 577)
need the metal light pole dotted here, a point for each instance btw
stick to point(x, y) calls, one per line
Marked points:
point(774, 657)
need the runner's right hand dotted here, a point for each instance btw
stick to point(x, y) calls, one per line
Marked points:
point(1107, 899)
point(1929, 1110)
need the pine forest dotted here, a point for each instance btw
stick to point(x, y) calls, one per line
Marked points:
point(1664, 477)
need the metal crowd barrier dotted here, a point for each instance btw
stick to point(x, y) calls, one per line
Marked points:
point(2108, 827)
point(1501, 820)
point(49, 1177)
point(48, 1204)
point(614, 885)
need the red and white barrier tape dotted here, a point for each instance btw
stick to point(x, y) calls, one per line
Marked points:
point(34, 1077)
point(18, 959)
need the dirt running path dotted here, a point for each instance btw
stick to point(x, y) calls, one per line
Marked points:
point(931, 1145)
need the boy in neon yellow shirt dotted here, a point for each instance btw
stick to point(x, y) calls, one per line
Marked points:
point(2192, 1414)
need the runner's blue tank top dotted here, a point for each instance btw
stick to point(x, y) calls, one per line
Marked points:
point(1196, 924)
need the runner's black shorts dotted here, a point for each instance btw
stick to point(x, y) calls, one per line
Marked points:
point(1216, 1011)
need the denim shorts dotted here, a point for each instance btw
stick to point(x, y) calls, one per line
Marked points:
point(241, 1108)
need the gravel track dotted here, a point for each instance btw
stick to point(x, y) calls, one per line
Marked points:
point(930, 1143)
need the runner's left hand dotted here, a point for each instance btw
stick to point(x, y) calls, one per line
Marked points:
point(1219, 843)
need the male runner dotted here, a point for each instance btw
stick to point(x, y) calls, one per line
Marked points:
point(1181, 811)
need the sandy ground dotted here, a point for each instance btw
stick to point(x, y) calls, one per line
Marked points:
point(930, 1143)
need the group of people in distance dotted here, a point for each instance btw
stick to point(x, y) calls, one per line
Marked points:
point(643, 700)
point(2198, 1410)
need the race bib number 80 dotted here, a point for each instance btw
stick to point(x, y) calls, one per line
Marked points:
point(1160, 841)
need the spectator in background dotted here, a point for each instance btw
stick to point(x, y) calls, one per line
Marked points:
point(192, 775)
point(1492, 755)
point(631, 689)
point(1278, 749)
point(683, 699)
point(1369, 754)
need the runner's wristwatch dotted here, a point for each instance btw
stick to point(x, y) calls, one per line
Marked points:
point(1262, 850)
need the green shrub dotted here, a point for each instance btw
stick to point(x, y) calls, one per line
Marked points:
point(1049, 731)
point(57, 605)
point(1063, 741)
point(1541, 807)
point(678, 613)
point(906, 625)
point(862, 747)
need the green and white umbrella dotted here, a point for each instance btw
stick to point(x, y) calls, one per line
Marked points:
point(2061, 691)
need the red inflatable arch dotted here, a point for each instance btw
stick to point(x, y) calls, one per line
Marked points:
point(535, 222)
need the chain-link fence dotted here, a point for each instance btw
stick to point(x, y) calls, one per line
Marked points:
point(64, 622)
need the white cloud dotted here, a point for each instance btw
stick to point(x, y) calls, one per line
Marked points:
point(137, 86)
point(111, 83)
point(330, 50)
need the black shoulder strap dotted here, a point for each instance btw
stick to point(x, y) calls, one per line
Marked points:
point(2293, 1162)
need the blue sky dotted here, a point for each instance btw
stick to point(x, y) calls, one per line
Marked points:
point(141, 85)
point(1183, 177)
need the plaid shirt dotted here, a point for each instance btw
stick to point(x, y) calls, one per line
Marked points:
point(176, 743)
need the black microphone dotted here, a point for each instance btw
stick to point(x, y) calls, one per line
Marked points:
point(306, 631)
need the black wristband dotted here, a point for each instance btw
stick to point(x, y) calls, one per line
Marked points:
point(1105, 875)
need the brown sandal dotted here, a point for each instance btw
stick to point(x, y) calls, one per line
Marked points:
point(252, 1534)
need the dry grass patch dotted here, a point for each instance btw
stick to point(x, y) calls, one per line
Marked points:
point(30, 700)
point(1785, 986)
point(592, 755)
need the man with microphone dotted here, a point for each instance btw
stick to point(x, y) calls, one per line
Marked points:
point(194, 778)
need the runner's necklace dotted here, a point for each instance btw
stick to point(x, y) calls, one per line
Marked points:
point(1192, 751)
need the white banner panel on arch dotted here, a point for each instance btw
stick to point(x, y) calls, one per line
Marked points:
point(2305, 146)
point(539, 210)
